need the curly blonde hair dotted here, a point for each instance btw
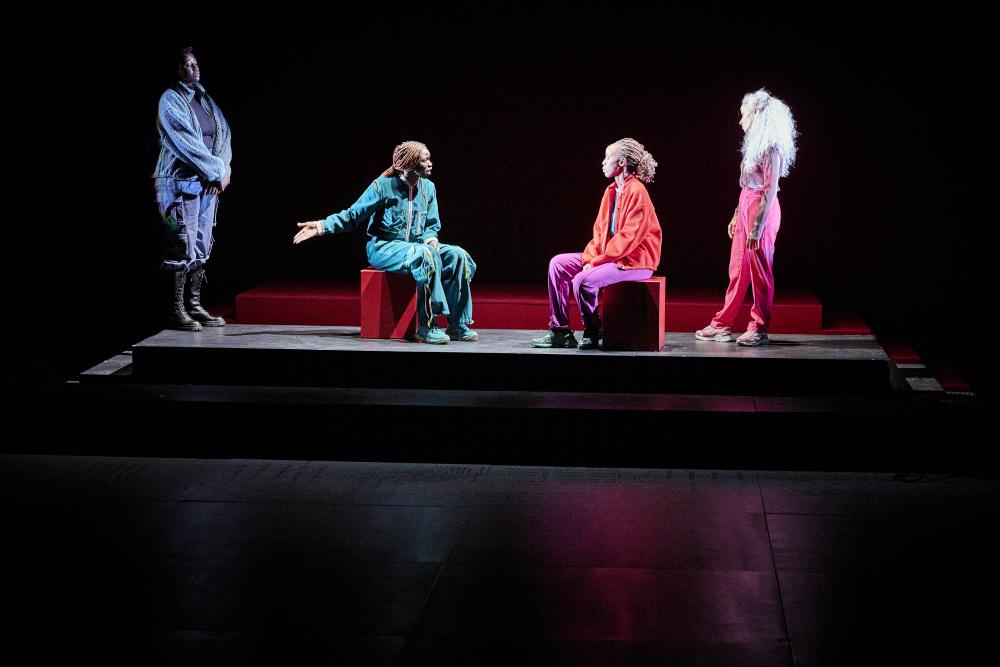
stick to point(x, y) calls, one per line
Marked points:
point(772, 126)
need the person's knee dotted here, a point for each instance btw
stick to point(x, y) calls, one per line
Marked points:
point(448, 255)
point(422, 263)
point(558, 263)
point(456, 254)
point(433, 257)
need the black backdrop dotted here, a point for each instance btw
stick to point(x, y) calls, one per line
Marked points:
point(881, 216)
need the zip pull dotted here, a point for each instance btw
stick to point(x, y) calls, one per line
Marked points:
point(409, 214)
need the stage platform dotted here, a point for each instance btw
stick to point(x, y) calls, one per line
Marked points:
point(503, 359)
point(312, 392)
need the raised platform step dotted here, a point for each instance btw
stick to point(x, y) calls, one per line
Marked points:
point(522, 307)
point(793, 364)
point(112, 418)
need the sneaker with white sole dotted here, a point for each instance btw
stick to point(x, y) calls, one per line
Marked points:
point(752, 339)
point(720, 335)
point(562, 339)
point(463, 333)
point(432, 336)
point(591, 339)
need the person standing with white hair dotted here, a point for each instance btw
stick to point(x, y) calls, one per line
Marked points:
point(768, 154)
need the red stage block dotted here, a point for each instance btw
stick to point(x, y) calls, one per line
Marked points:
point(388, 305)
point(632, 312)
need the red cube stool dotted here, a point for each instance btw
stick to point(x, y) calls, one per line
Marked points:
point(632, 313)
point(388, 305)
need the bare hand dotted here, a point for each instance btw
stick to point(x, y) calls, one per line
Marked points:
point(434, 243)
point(752, 244)
point(586, 267)
point(213, 189)
point(224, 183)
point(732, 227)
point(307, 230)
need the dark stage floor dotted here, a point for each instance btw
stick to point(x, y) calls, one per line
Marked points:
point(190, 561)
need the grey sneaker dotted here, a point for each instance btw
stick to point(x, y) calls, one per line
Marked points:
point(555, 339)
point(591, 339)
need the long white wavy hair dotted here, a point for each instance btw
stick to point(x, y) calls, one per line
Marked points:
point(772, 125)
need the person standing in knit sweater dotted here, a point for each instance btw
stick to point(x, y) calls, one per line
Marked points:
point(193, 169)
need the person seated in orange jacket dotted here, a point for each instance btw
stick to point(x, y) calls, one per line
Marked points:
point(626, 246)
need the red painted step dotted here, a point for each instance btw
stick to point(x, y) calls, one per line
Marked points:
point(519, 307)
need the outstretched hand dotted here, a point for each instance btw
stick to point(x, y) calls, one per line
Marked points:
point(307, 230)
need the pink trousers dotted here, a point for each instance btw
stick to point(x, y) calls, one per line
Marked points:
point(751, 269)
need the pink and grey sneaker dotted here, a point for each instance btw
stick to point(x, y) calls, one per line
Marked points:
point(752, 339)
point(722, 335)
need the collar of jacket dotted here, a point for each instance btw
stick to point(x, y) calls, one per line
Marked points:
point(186, 90)
point(628, 179)
point(402, 187)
